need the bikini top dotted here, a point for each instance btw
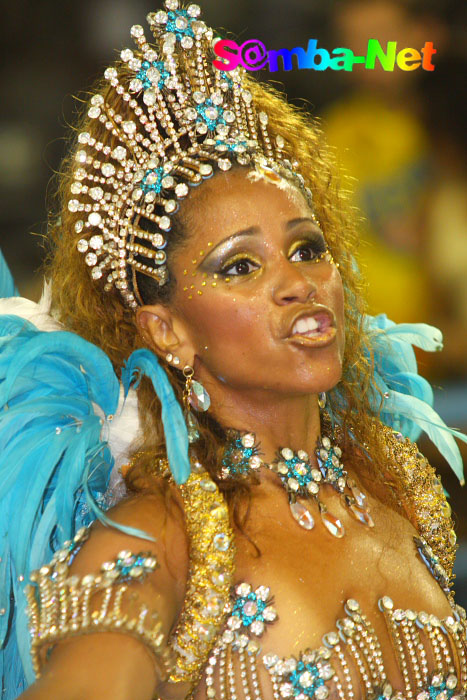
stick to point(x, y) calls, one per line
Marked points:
point(431, 653)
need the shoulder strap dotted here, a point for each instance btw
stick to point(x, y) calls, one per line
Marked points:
point(212, 555)
point(422, 496)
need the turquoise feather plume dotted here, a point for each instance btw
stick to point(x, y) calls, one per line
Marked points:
point(176, 435)
point(407, 397)
point(54, 465)
point(7, 284)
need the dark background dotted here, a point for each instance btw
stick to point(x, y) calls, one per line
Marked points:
point(399, 135)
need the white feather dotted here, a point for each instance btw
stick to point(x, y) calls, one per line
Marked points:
point(38, 314)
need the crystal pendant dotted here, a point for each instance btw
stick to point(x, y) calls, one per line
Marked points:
point(199, 397)
point(322, 399)
point(331, 522)
point(360, 514)
point(359, 496)
point(302, 515)
point(193, 433)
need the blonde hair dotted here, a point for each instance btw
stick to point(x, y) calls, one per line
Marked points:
point(101, 317)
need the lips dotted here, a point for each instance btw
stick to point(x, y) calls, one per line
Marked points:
point(312, 328)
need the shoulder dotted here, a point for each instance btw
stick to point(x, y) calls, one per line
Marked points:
point(160, 516)
point(421, 494)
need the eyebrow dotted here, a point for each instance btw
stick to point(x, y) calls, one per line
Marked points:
point(253, 230)
point(308, 219)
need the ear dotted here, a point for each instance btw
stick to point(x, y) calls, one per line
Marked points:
point(163, 333)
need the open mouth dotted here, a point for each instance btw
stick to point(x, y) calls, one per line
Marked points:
point(312, 330)
point(312, 326)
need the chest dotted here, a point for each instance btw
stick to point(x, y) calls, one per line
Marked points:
point(311, 573)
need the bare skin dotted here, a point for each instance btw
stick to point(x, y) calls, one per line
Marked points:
point(237, 335)
point(261, 377)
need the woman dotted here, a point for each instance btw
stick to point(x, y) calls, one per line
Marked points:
point(266, 564)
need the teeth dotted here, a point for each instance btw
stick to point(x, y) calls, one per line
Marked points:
point(305, 325)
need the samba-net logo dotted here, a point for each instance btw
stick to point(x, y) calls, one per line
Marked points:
point(253, 55)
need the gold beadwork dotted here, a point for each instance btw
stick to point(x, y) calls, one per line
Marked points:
point(421, 495)
point(60, 605)
point(212, 552)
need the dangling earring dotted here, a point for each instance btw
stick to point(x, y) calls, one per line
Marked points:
point(194, 395)
point(322, 400)
point(325, 412)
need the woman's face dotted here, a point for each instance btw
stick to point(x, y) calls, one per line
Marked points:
point(258, 299)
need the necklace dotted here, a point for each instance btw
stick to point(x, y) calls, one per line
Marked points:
point(301, 479)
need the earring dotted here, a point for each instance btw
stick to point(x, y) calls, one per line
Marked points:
point(195, 394)
point(322, 400)
point(190, 420)
point(172, 359)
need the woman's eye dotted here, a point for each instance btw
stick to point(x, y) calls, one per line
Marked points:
point(307, 252)
point(239, 268)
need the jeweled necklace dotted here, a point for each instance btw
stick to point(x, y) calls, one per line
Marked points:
point(301, 479)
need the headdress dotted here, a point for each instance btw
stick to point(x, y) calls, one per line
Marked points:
point(170, 117)
point(182, 118)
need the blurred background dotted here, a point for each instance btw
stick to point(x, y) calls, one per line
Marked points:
point(399, 137)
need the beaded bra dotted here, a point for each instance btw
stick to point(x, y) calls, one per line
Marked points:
point(349, 663)
point(431, 652)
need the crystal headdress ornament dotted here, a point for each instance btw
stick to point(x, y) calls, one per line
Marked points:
point(180, 118)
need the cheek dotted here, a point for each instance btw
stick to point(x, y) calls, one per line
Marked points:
point(221, 321)
point(338, 295)
point(332, 294)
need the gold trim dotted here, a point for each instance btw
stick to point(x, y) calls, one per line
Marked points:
point(212, 555)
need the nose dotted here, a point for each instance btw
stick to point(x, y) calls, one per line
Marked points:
point(292, 284)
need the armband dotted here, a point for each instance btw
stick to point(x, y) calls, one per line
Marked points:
point(61, 605)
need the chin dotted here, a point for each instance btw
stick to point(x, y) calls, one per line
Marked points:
point(322, 370)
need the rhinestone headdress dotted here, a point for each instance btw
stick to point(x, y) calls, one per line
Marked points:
point(180, 118)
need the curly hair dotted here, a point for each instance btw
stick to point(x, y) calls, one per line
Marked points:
point(101, 317)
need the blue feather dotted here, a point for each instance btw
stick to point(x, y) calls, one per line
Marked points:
point(407, 397)
point(54, 465)
point(176, 435)
point(7, 285)
point(420, 413)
